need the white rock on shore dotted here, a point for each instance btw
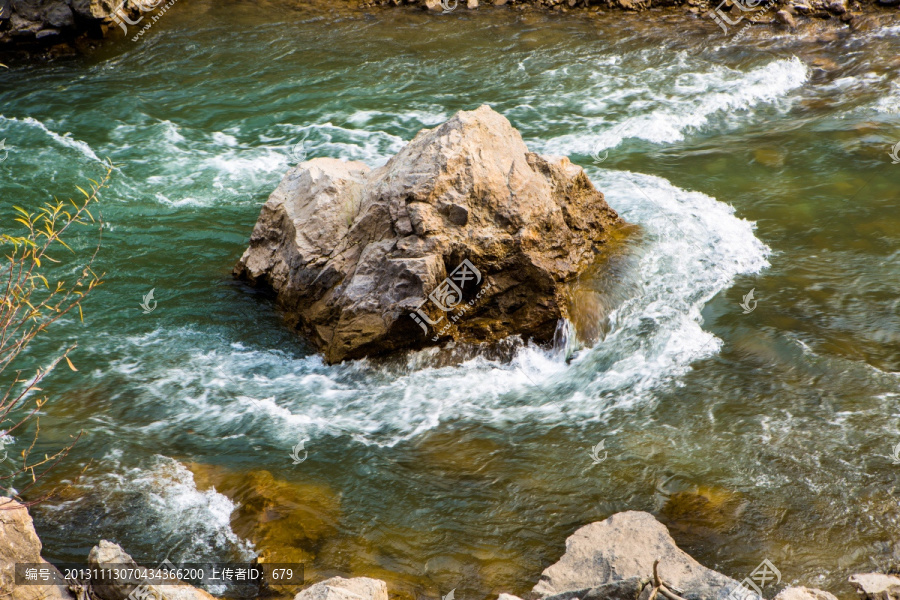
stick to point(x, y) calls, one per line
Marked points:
point(106, 554)
point(803, 593)
point(613, 560)
point(19, 543)
point(339, 588)
point(876, 586)
point(624, 546)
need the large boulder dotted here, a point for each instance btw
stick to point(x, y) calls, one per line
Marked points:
point(339, 588)
point(107, 555)
point(621, 550)
point(463, 235)
point(19, 543)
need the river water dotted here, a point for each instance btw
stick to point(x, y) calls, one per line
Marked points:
point(755, 166)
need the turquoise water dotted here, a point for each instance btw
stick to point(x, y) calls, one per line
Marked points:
point(759, 166)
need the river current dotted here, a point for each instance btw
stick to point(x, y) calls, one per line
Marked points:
point(760, 166)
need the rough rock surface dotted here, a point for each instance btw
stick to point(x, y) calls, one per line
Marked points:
point(804, 593)
point(24, 22)
point(19, 543)
point(351, 252)
point(876, 586)
point(621, 550)
point(339, 588)
point(106, 554)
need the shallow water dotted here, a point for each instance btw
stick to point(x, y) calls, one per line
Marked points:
point(761, 166)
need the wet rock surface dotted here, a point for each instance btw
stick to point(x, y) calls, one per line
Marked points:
point(463, 235)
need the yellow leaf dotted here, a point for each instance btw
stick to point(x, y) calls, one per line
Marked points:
point(86, 195)
point(71, 366)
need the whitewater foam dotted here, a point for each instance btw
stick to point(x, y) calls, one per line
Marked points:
point(693, 248)
point(686, 103)
point(163, 497)
point(65, 139)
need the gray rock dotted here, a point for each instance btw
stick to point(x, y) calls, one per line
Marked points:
point(624, 547)
point(19, 543)
point(876, 586)
point(803, 593)
point(783, 16)
point(59, 15)
point(55, 13)
point(339, 588)
point(30, 10)
point(21, 27)
point(624, 589)
point(352, 252)
point(838, 7)
point(106, 554)
point(94, 9)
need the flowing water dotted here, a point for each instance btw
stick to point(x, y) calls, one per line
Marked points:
point(761, 165)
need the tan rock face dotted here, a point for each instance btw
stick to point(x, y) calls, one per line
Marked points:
point(107, 555)
point(339, 588)
point(876, 586)
point(804, 593)
point(463, 218)
point(19, 543)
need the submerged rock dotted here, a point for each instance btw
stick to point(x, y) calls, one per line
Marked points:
point(19, 543)
point(463, 235)
point(621, 551)
point(287, 521)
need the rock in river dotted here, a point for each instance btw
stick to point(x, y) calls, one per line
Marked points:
point(463, 235)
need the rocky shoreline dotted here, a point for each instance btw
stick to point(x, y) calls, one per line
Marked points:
point(58, 28)
point(628, 556)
